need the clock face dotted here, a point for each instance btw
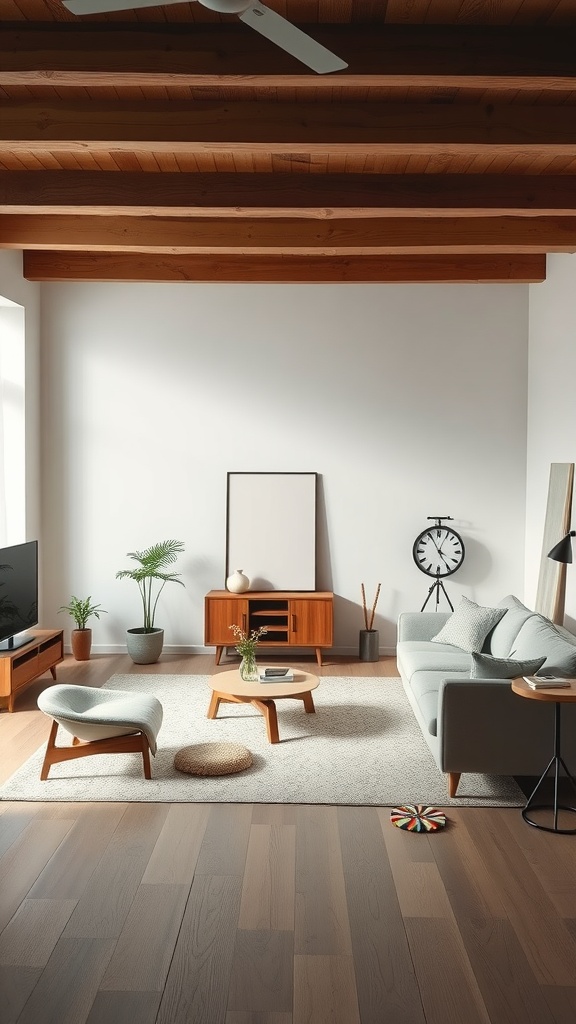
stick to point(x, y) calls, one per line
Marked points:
point(438, 551)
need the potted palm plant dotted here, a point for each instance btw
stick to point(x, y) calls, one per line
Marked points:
point(81, 609)
point(145, 642)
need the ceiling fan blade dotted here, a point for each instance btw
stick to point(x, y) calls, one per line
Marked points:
point(291, 39)
point(256, 15)
point(106, 6)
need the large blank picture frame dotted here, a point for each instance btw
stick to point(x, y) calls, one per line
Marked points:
point(550, 593)
point(271, 529)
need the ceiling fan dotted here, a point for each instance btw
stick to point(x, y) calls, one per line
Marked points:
point(256, 15)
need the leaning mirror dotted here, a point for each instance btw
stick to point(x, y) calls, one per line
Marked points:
point(271, 529)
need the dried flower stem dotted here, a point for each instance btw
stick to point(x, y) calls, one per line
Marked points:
point(369, 622)
point(247, 643)
point(364, 609)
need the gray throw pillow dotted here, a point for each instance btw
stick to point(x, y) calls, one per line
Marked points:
point(484, 666)
point(469, 625)
point(539, 634)
point(500, 640)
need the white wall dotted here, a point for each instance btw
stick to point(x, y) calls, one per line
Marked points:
point(551, 407)
point(409, 401)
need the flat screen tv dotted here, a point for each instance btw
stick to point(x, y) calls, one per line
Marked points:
point(18, 593)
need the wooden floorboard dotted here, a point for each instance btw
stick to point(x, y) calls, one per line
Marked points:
point(124, 1007)
point(322, 925)
point(103, 907)
point(271, 913)
point(385, 977)
point(199, 978)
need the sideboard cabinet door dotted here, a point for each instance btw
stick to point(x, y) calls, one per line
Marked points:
point(311, 622)
point(220, 614)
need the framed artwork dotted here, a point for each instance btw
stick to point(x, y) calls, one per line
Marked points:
point(271, 529)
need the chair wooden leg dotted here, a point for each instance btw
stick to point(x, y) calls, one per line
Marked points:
point(132, 743)
point(47, 756)
point(146, 757)
point(453, 780)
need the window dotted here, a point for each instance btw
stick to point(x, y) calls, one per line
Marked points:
point(12, 424)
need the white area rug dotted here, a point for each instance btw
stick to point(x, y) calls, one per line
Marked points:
point(363, 746)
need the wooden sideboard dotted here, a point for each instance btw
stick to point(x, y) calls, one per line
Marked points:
point(20, 667)
point(292, 618)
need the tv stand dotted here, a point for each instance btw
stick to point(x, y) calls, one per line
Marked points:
point(20, 666)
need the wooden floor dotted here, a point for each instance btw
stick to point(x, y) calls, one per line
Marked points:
point(274, 914)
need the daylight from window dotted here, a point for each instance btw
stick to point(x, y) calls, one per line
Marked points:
point(12, 424)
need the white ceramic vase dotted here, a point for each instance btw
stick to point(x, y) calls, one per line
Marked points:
point(237, 583)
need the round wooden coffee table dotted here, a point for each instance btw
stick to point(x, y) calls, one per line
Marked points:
point(229, 688)
point(559, 695)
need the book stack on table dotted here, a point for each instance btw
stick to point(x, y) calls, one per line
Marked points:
point(277, 675)
point(547, 682)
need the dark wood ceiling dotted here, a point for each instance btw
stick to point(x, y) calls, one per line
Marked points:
point(174, 144)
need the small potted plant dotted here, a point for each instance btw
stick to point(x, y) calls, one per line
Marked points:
point(145, 642)
point(246, 644)
point(81, 609)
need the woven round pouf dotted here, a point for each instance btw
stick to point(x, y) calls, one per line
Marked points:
point(213, 759)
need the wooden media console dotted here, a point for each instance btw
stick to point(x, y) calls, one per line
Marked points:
point(20, 667)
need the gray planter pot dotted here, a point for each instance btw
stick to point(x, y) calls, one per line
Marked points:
point(369, 645)
point(144, 647)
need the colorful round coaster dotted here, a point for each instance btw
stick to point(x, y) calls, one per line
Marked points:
point(417, 818)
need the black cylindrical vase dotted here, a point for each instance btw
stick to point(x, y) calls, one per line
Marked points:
point(369, 645)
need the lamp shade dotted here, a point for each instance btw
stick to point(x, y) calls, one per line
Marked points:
point(562, 551)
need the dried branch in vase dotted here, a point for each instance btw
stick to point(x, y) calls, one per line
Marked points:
point(369, 622)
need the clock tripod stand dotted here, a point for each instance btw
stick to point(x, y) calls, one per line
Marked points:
point(437, 586)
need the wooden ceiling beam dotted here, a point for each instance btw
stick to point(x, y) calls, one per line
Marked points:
point(367, 236)
point(295, 128)
point(78, 266)
point(430, 56)
point(285, 195)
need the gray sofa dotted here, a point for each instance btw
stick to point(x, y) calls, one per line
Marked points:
point(481, 725)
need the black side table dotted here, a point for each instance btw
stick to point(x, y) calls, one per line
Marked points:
point(559, 695)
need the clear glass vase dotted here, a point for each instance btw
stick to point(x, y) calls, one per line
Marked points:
point(248, 668)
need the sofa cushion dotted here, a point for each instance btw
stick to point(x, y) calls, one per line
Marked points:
point(484, 666)
point(444, 660)
point(539, 636)
point(428, 707)
point(501, 638)
point(424, 645)
point(468, 627)
point(425, 687)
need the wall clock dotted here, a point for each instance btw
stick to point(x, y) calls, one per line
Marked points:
point(438, 551)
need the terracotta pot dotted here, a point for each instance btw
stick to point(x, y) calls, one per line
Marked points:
point(81, 640)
